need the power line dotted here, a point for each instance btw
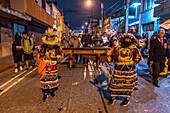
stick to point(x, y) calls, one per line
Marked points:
point(113, 5)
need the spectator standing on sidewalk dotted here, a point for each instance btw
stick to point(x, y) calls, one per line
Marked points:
point(113, 41)
point(17, 52)
point(86, 39)
point(74, 42)
point(146, 37)
point(105, 39)
point(64, 41)
point(32, 36)
point(80, 37)
point(153, 36)
point(27, 46)
point(97, 40)
point(86, 42)
point(137, 36)
point(157, 54)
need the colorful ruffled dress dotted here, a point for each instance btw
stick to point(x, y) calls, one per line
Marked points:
point(124, 81)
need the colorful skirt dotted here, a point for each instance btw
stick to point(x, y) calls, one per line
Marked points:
point(49, 82)
point(124, 81)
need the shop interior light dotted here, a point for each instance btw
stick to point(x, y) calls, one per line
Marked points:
point(136, 4)
point(155, 5)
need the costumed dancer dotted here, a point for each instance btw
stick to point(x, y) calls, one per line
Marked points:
point(124, 81)
point(50, 52)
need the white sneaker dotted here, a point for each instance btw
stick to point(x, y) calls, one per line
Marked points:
point(20, 68)
point(104, 83)
point(16, 70)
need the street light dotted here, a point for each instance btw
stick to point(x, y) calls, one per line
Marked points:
point(89, 2)
point(86, 23)
point(82, 27)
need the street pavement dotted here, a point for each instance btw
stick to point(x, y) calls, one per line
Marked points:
point(81, 90)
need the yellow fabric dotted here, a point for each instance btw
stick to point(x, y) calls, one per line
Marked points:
point(133, 28)
point(50, 42)
point(50, 32)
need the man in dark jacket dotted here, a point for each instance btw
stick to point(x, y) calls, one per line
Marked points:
point(137, 35)
point(86, 39)
point(97, 41)
point(17, 52)
point(158, 52)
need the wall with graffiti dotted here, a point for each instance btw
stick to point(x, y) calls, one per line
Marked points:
point(6, 41)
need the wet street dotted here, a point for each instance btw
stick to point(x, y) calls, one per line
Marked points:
point(81, 90)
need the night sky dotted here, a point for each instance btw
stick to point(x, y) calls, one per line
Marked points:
point(81, 12)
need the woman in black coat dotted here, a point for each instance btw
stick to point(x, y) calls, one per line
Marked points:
point(17, 52)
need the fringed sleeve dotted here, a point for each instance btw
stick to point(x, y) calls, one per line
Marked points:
point(136, 56)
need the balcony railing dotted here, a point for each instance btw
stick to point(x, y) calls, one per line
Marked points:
point(31, 8)
point(38, 12)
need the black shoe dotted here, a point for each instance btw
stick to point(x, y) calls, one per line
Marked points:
point(111, 101)
point(52, 94)
point(125, 102)
point(33, 66)
point(45, 97)
point(135, 89)
point(27, 68)
point(156, 85)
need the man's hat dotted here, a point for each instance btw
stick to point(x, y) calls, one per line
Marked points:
point(75, 35)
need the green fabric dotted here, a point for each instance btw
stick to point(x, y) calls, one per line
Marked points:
point(26, 46)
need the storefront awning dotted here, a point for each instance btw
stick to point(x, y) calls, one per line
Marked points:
point(166, 24)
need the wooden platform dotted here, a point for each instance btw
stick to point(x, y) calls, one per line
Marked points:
point(97, 54)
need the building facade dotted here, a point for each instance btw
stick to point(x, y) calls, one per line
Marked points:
point(117, 20)
point(162, 11)
point(11, 21)
point(58, 18)
point(147, 22)
point(17, 16)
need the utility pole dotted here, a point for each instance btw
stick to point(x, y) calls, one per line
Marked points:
point(92, 19)
point(140, 18)
point(102, 13)
point(126, 14)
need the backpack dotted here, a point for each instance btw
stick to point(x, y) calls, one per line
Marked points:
point(29, 41)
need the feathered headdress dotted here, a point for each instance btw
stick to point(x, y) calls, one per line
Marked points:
point(50, 34)
point(129, 35)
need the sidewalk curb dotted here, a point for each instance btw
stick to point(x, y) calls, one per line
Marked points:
point(10, 66)
point(6, 68)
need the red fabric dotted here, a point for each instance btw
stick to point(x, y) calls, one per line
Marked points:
point(153, 37)
point(109, 44)
point(114, 53)
point(135, 56)
point(161, 41)
point(53, 69)
point(135, 52)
